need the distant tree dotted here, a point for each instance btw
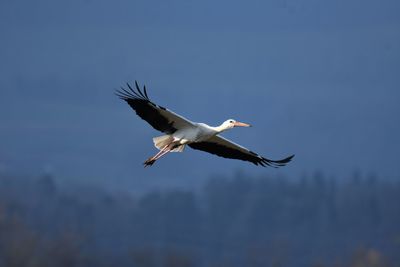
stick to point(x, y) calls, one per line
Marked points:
point(368, 258)
point(174, 258)
point(18, 244)
point(143, 257)
point(63, 251)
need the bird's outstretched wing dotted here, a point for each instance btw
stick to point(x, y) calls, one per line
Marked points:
point(225, 148)
point(157, 116)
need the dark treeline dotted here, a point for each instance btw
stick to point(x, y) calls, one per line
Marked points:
point(314, 221)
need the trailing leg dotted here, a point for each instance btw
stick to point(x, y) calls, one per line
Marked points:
point(162, 152)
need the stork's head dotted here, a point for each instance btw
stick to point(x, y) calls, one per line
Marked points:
point(229, 124)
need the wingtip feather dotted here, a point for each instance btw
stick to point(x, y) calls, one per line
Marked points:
point(138, 89)
point(145, 91)
point(277, 163)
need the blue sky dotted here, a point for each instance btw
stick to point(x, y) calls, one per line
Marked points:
point(316, 78)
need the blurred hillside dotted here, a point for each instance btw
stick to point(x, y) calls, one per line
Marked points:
point(241, 221)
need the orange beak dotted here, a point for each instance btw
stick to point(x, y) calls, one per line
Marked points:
point(241, 124)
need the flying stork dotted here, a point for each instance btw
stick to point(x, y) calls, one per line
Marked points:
point(180, 131)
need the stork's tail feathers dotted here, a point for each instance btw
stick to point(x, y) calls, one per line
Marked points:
point(277, 163)
point(161, 141)
point(178, 148)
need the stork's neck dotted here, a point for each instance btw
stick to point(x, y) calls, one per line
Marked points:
point(220, 128)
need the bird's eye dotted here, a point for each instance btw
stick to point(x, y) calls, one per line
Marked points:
point(231, 121)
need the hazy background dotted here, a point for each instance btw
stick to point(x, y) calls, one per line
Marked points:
point(319, 79)
point(316, 78)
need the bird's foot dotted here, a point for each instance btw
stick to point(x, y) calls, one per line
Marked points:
point(149, 162)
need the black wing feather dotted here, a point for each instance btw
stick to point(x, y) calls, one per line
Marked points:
point(133, 91)
point(146, 109)
point(232, 153)
point(145, 91)
point(138, 89)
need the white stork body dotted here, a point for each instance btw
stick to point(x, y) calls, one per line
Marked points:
point(197, 133)
point(181, 132)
